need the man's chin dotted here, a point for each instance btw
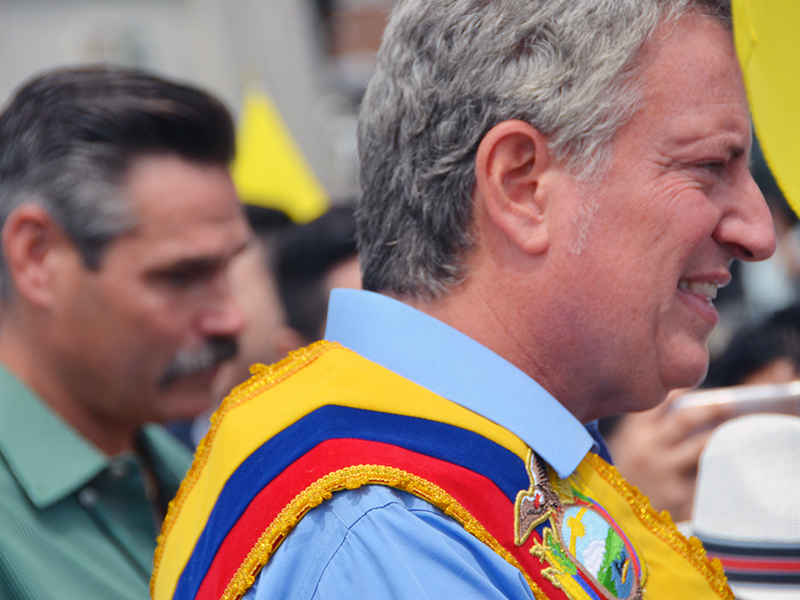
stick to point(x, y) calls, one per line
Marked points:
point(697, 372)
point(690, 375)
point(190, 396)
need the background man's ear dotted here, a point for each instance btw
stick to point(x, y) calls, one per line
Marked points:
point(32, 245)
point(510, 166)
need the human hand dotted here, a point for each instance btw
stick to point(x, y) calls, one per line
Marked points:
point(658, 450)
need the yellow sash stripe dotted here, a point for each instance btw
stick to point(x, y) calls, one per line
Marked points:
point(675, 565)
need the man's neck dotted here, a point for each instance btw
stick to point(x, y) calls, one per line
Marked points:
point(490, 316)
point(35, 369)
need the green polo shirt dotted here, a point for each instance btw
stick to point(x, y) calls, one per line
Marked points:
point(75, 523)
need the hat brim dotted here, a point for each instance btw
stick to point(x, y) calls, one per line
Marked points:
point(752, 591)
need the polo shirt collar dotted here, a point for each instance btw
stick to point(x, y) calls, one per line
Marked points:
point(49, 459)
point(447, 362)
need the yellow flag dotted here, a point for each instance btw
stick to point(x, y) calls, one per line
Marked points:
point(767, 36)
point(270, 170)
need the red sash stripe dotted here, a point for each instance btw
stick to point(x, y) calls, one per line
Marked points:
point(478, 494)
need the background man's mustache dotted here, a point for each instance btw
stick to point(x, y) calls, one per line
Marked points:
point(189, 363)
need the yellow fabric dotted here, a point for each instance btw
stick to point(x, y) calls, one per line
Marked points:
point(307, 378)
point(768, 45)
point(269, 169)
point(676, 567)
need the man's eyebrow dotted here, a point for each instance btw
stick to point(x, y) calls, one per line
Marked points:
point(736, 151)
point(199, 263)
point(731, 143)
point(188, 265)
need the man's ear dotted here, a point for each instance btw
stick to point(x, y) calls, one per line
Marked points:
point(31, 240)
point(510, 163)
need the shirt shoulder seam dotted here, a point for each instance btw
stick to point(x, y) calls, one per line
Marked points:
point(348, 529)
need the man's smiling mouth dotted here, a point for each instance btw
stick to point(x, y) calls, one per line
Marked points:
point(707, 289)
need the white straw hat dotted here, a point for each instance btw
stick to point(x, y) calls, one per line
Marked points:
point(747, 504)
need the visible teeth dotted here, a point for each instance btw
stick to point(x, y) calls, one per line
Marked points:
point(704, 288)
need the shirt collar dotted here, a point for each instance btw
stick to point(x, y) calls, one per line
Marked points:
point(49, 459)
point(447, 362)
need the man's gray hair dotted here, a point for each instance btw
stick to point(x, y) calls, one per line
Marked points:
point(69, 137)
point(450, 70)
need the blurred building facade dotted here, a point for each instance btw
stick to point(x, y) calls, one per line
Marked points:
point(312, 57)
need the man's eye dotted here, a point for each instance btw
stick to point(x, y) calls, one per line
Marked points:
point(714, 166)
point(178, 278)
point(186, 276)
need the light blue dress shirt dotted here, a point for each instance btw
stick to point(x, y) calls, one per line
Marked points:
point(378, 542)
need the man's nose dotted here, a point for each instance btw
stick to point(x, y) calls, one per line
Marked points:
point(222, 316)
point(746, 227)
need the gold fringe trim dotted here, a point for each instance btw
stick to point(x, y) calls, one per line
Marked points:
point(264, 377)
point(352, 478)
point(664, 528)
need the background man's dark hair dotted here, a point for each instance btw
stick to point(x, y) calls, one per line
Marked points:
point(307, 253)
point(264, 221)
point(268, 224)
point(69, 137)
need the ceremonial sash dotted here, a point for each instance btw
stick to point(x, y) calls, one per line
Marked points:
point(326, 420)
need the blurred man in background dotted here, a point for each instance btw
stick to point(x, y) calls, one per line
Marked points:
point(119, 221)
point(266, 337)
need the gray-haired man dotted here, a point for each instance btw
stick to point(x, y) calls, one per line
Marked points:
point(552, 192)
point(119, 219)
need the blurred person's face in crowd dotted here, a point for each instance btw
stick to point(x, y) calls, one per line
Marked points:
point(266, 337)
point(344, 274)
point(780, 370)
point(141, 337)
point(676, 205)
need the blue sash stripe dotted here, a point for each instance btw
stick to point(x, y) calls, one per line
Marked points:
point(432, 438)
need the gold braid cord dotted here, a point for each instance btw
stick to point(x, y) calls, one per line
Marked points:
point(664, 528)
point(351, 478)
point(264, 377)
